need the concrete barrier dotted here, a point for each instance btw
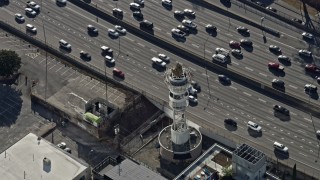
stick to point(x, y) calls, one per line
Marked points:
point(237, 76)
point(277, 16)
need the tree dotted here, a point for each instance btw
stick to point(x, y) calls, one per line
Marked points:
point(294, 172)
point(10, 62)
point(227, 171)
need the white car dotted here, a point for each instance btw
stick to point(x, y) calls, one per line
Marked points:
point(31, 28)
point(189, 12)
point(192, 90)
point(33, 5)
point(189, 23)
point(178, 33)
point(307, 35)
point(62, 145)
point(222, 51)
point(158, 62)
point(120, 29)
point(113, 33)
point(318, 133)
point(192, 99)
point(253, 126)
point(164, 57)
point(135, 6)
point(30, 11)
point(19, 17)
point(109, 59)
point(280, 147)
point(304, 52)
point(167, 2)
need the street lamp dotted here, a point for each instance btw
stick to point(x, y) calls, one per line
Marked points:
point(204, 58)
point(262, 18)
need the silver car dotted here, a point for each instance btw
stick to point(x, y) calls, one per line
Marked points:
point(31, 28)
point(113, 33)
point(189, 23)
point(19, 17)
point(30, 11)
point(120, 29)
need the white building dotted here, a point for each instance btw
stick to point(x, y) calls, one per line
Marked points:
point(248, 163)
point(33, 158)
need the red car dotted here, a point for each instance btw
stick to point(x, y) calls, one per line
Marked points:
point(117, 72)
point(275, 65)
point(312, 68)
point(234, 44)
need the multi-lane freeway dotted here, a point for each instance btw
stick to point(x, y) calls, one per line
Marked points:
point(216, 101)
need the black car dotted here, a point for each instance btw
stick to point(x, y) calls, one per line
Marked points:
point(246, 42)
point(137, 14)
point(281, 110)
point(195, 85)
point(85, 55)
point(224, 79)
point(146, 24)
point(298, 21)
point(178, 14)
point(277, 83)
point(242, 29)
point(310, 89)
point(230, 122)
point(211, 28)
point(92, 29)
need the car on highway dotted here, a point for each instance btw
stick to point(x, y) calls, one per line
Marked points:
point(62, 145)
point(164, 57)
point(134, 6)
point(277, 83)
point(178, 14)
point(146, 24)
point(120, 29)
point(236, 52)
point(234, 45)
point(192, 91)
point(304, 52)
point(85, 55)
point(242, 29)
point(271, 9)
point(280, 147)
point(189, 12)
point(183, 28)
point(222, 51)
point(245, 42)
point(224, 79)
point(64, 44)
point(137, 14)
point(211, 28)
point(318, 133)
point(113, 33)
point(312, 68)
point(167, 2)
point(117, 72)
point(33, 5)
point(92, 29)
point(310, 89)
point(220, 58)
point(307, 35)
point(274, 48)
point(275, 65)
point(230, 122)
point(158, 62)
point(109, 60)
point(318, 79)
point(284, 58)
point(254, 126)
point(31, 28)
point(189, 24)
point(140, 2)
point(19, 17)
point(298, 21)
point(68, 150)
point(106, 50)
point(178, 33)
point(61, 2)
point(117, 12)
point(30, 12)
point(192, 99)
point(281, 109)
point(195, 85)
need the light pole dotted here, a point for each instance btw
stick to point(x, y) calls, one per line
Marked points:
point(204, 58)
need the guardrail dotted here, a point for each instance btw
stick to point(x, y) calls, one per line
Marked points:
point(180, 51)
point(285, 19)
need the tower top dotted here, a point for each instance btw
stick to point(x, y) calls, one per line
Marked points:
point(177, 71)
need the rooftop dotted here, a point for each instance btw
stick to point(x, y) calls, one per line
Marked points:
point(249, 153)
point(25, 160)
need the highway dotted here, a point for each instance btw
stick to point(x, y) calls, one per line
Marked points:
point(235, 101)
point(254, 63)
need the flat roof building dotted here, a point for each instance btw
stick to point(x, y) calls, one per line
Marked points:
point(37, 159)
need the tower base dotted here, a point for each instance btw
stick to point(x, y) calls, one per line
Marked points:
point(188, 151)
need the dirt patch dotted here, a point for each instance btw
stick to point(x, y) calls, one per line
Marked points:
point(222, 158)
point(311, 4)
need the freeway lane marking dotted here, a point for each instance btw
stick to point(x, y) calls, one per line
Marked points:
point(294, 87)
point(157, 28)
point(208, 51)
point(235, 63)
point(233, 87)
point(307, 119)
point(247, 94)
point(153, 50)
point(249, 69)
point(195, 45)
point(263, 75)
point(303, 125)
point(155, 86)
point(142, 45)
point(262, 100)
point(303, 154)
point(302, 131)
point(128, 38)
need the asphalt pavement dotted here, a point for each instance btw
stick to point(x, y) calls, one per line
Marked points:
point(234, 101)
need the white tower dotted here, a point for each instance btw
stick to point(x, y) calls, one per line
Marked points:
point(178, 81)
point(179, 142)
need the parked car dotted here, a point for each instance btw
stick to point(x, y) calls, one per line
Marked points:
point(117, 72)
point(19, 17)
point(281, 109)
point(62, 145)
point(230, 122)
